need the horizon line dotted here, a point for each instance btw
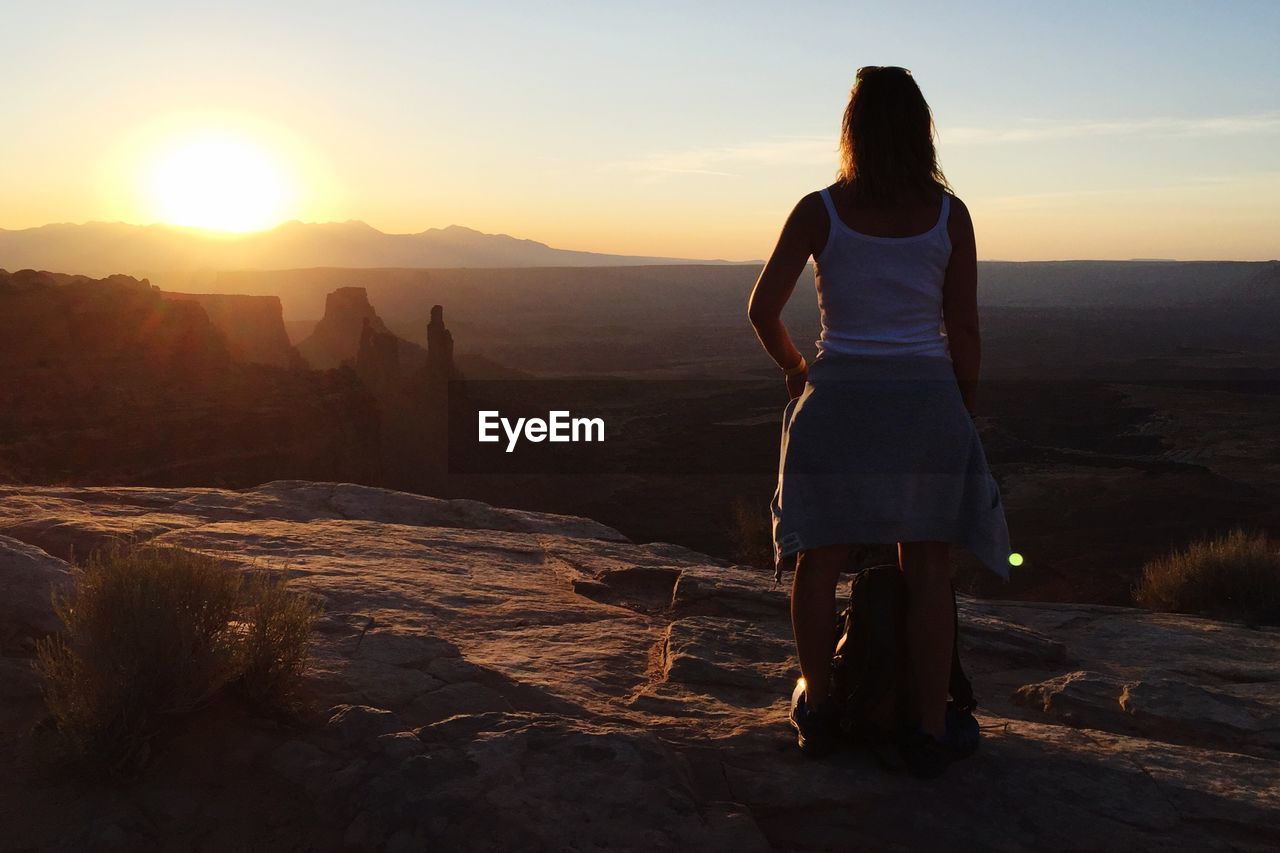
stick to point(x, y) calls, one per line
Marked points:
point(216, 234)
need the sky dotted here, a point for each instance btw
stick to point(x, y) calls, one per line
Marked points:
point(1072, 130)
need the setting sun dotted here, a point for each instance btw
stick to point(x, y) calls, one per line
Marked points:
point(222, 181)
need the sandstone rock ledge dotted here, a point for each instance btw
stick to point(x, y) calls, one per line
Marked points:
point(493, 679)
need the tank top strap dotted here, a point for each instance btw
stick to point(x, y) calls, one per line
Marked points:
point(831, 207)
point(946, 210)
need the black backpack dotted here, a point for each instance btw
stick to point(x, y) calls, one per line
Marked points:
point(869, 666)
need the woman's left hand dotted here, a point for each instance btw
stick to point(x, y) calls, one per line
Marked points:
point(795, 383)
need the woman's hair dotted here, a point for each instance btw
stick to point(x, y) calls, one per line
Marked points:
point(886, 138)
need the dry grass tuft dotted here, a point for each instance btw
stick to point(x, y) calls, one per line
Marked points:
point(1236, 576)
point(150, 632)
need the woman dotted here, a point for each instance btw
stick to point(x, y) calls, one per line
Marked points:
point(878, 440)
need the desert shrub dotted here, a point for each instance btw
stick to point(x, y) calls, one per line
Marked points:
point(276, 629)
point(1234, 576)
point(150, 632)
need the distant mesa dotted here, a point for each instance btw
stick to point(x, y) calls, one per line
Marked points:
point(253, 326)
point(119, 381)
point(337, 336)
point(349, 322)
point(114, 381)
point(51, 318)
point(351, 332)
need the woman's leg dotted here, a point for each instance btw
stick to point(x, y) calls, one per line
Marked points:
point(813, 616)
point(930, 628)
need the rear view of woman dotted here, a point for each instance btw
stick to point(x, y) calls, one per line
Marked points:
point(878, 440)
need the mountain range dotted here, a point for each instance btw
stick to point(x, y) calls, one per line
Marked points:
point(105, 248)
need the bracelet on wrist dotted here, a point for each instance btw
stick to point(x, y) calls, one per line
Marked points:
point(799, 368)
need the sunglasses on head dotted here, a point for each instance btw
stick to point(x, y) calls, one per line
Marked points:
point(868, 70)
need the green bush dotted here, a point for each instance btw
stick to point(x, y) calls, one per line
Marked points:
point(1236, 576)
point(151, 632)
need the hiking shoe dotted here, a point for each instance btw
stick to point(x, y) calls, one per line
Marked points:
point(817, 732)
point(926, 756)
point(962, 734)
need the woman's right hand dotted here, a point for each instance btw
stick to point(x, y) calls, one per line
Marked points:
point(795, 383)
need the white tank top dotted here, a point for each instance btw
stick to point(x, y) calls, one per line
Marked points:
point(883, 295)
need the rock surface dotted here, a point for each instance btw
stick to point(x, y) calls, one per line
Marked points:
point(491, 679)
point(30, 579)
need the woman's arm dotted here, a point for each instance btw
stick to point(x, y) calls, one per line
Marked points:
point(776, 283)
point(960, 303)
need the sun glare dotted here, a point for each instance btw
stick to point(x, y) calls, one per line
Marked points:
point(221, 181)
